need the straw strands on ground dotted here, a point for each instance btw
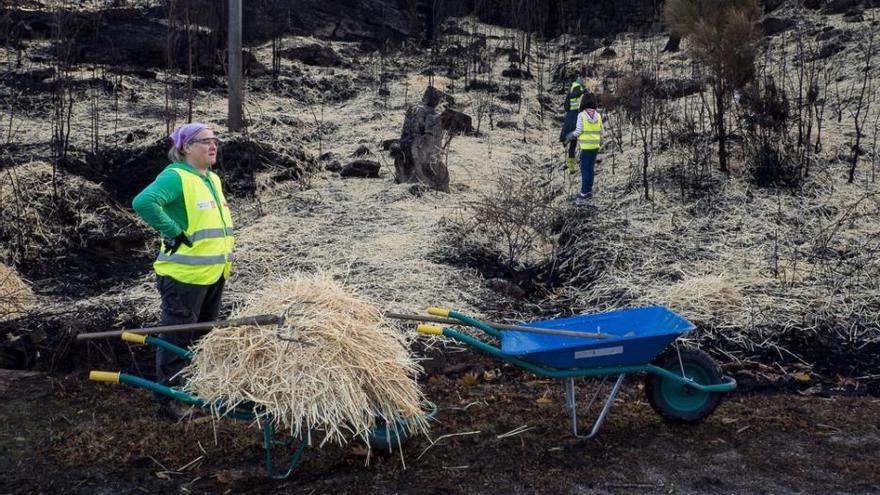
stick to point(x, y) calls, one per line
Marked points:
point(376, 237)
point(346, 368)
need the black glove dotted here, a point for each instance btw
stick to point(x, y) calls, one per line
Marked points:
point(172, 245)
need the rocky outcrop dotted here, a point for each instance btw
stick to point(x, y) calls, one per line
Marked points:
point(123, 38)
point(598, 18)
point(142, 35)
point(455, 122)
point(144, 32)
point(361, 168)
point(374, 22)
point(313, 54)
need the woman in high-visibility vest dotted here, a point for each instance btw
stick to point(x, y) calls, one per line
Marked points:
point(186, 205)
point(589, 137)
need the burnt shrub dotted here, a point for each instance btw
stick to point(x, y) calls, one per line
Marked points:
point(772, 156)
point(511, 225)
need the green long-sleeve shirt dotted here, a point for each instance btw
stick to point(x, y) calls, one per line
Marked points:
point(161, 203)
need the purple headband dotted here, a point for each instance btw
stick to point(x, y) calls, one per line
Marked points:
point(184, 133)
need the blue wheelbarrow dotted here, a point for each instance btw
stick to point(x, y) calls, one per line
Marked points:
point(683, 385)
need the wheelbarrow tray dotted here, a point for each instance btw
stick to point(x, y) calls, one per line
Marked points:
point(637, 335)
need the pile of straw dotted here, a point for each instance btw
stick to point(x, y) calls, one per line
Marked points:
point(703, 298)
point(348, 367)
point(16, 296)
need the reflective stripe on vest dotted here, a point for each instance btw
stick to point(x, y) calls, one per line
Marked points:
point(574, 103)
point(209, 234)
point(192, 260)
point(195, 260)
point(590, 137)
point(209, 230)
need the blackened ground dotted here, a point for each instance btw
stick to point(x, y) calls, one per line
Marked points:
point(47, 341)
point(63, 434)
point(535, 281)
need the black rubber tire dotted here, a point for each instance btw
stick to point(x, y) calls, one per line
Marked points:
point(696, 362)
point(387, 441)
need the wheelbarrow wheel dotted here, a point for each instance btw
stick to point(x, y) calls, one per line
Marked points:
point(386, 440)
point(679, 403)
point(387, 437)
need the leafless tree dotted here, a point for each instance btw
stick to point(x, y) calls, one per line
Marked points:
point(480, 106)
point(190, 27)
point(690, 161)
point(874, 150)
point(825, 77)
point(808, 74)
point(723, 35)
point(862, 90)
point(170, 114)
point(276, 57)
point(642, 108)
point(64, 96)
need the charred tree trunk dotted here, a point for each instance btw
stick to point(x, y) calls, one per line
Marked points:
point(417, 158)
point(720, 128)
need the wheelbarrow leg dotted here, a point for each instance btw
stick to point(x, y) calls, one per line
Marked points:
point(571, 405)
point(269, 441)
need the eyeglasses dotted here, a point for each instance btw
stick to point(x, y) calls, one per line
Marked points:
point(215, 141)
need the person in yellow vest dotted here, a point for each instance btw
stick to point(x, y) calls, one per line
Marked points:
point(572, 106)
point(588, 133)
point(186, 205)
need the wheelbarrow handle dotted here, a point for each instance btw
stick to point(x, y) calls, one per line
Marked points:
point(187, 327)
point(500, 326)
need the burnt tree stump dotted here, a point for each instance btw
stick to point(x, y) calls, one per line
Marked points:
point(417, 156)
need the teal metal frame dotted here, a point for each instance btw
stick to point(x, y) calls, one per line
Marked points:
point(245, 412)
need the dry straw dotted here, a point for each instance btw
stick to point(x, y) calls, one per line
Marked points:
point(16, 296)
point(700, 297)
point(347, 367)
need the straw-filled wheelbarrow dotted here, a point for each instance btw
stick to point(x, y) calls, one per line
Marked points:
point(387, 435)
point(683, 385)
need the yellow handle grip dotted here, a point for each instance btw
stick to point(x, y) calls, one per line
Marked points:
point(134, 338)
point(438, 312)
point(430, 329)
point(104, 376)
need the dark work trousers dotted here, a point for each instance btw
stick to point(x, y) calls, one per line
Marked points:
point(572, 148)
point(183, 303)
point(569, 125)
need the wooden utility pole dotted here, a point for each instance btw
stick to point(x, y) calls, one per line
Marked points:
point(234, 120)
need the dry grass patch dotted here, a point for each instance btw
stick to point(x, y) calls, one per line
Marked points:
point(701, 298)
point(16, 296)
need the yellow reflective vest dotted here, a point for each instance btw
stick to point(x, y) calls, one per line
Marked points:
point(209, 230)
point(591, 135)
point(575, 102)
